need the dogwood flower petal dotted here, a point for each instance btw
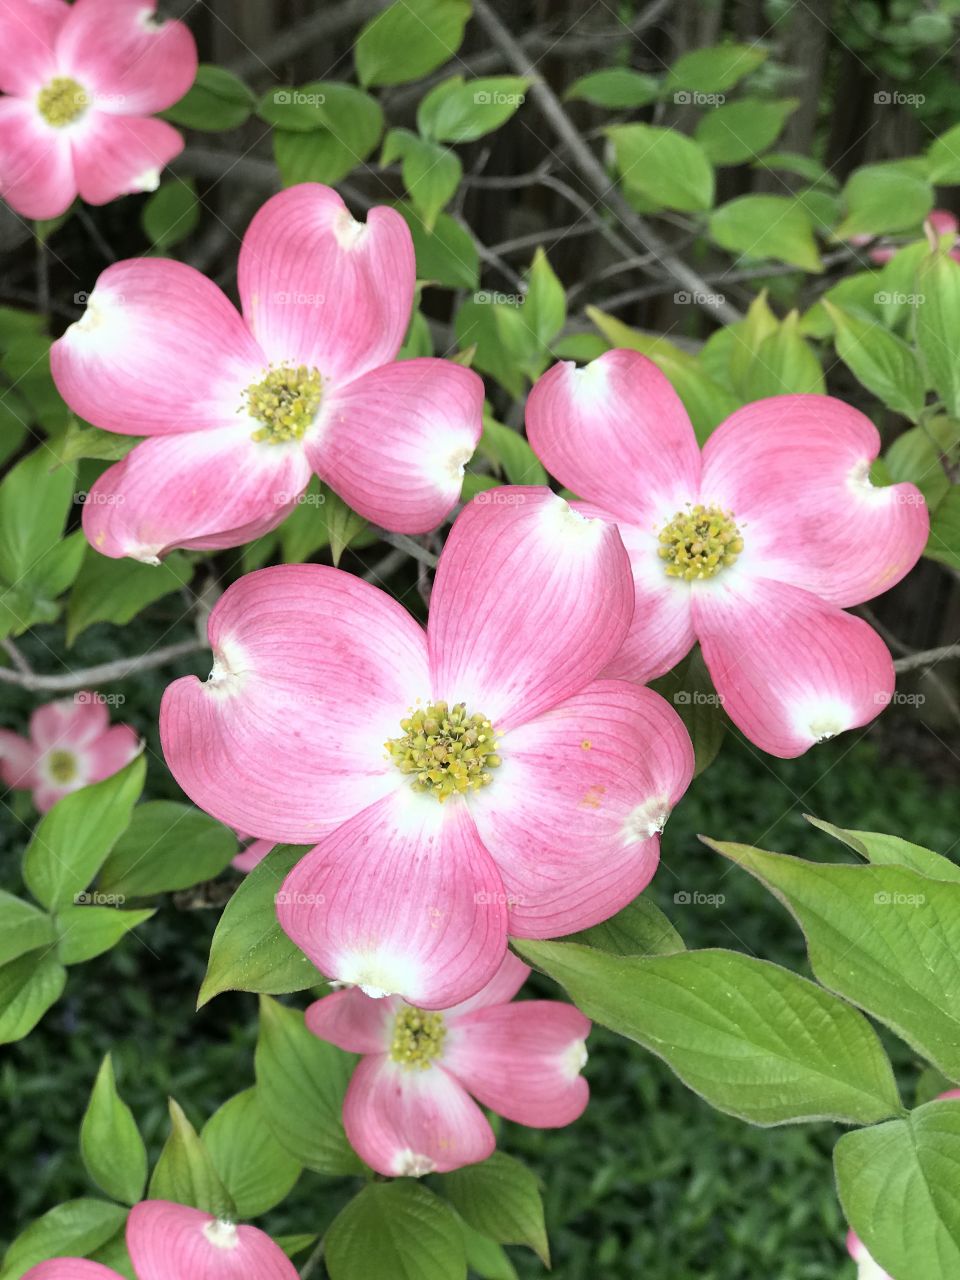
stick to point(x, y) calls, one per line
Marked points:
point(173, 1242)
point(395, 441)
point(616, 433)
point(115, 155)
point(313, 670)
point(320, 288)
point(129, 60)
point(36, 167)
point(522, 1060)
point(791, 669)
point(159, 350)
point(69, 722)
point(403, 900)
point(71, 1269)
point(794, 470)
point(574, 813)
point(18, 760)
point(203, 489)
point(111, 752)
point(530, 601)
point(28, 37)
point(353, 1021)
point(867, 1269)
point(407, 1122)
point(501, 988)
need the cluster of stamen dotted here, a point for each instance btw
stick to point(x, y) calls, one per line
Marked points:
point(62, 766)
point(447, 750)
point(699, 542)
point(62, 100)
point(285, 402)
point(418, 1038)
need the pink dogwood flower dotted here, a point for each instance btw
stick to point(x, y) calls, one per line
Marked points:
point(753, 547)
point(169, 1241)
point(458, 784)
point(252, 853)
point(71, 744)
point(867, 1269)
point(408, 1108)
point(941, 221)
point(82, 82)
point(242, 410)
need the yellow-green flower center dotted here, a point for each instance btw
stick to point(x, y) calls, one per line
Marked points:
point(62, 100)
point(418, 1038)
point(286, 402)
point(699, 542)
point(447, 750)
point(62, 766)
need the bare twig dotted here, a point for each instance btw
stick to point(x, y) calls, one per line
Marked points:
point(594, 173)
point(410, 546)
point(17, 658)
point(927, 658)
point(103, 673)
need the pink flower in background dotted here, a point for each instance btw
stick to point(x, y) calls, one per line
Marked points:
point(83, 82)
point(408, 1109)
point(243, 410)
point(252, 853)
point(169, 1241)
point(462, 784)
point(753, 548)
point(943, 223)
point(867, 1269)
point(71, 744)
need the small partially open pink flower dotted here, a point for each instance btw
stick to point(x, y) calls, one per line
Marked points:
point(943, 223)
point(867, 1269)
point(408, 1109)
point(71, 744)
point(463, 783)
point(252, 853)
point(753, 547)
point(169, 1241)
point(83, 81)
point(242, 410)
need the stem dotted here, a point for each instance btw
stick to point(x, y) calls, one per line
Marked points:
point(311, 1264)
point(593, 171)
point(104, 673)
point(927, 658)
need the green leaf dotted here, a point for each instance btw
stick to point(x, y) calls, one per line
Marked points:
point(758, 227)
point(919, 455)
point(171, 214)
point(23, 927)
point(395, 1231)
point(749, 334)
point(640, 929)
point(167, 846)
point(88, 931)
point(665, 169)
point(883, 937)
point(409, 39)
point(898, 1187)
point(741, 130)
point(110, 1142)
point(447, 254)
point(801, 165)
point(785, 364)
point(73, 839)
point(249, 951)
point(617, 87)
point(712, 70)
point(938, 323)
point(754, 1040)
point(117, 590)
point(347, 124)
point(510, 454)
point(880, 360)
point(73, 1229)
point(29, 985)
point(185, 1172)
point(344, 525)
point(80, 440)
point(34, 504)
point(705, 400)
point(880, 198)
point(891, 851)
point(943, 158)
point(500, 1197)
point(217, 101)
point(255, 1169)
point(431, 173)
point(459, 110)
point(484, 1256)
point(689, 690)
point(301, 1081)
point(503, 343)
point(944, 542)
point(545, 308)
